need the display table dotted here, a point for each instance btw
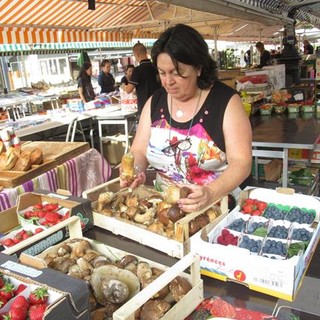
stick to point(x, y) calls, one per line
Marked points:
point(76, 175)
point(282, 132)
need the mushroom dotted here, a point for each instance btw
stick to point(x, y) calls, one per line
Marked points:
point(179, 287)
point(145, 218)
point(105, 282)
point(115, 291)
point(144, 271)
point(175, 214)
point(129, 262)
point(101, 261)
point(163, 216)
point(157, 227)
point(104, 199)
point(63, 250)
point(154, 309)
point(172, 194)
point(80, 248)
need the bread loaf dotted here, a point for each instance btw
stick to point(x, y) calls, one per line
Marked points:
point(23, 163)
point(36, 156)
point(8, 159)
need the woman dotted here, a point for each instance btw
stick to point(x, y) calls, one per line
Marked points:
point(194, 130)
point(129, 69)
point(106, 80)
point(85, 88)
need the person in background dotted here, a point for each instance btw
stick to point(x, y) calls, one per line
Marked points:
point(144, 77)
point(125, 79)
point(85, 88)
point(194, 130)
point(106, 80)
point(247, 58)
point(265, 57)
point(307, 47)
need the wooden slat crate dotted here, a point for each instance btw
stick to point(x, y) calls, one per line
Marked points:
point(177, 247)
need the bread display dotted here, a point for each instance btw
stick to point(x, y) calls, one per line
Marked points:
point(15, 159)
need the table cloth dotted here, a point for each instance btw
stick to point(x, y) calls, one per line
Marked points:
point(76, 175)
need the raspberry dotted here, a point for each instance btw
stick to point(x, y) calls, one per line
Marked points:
point(225, 232)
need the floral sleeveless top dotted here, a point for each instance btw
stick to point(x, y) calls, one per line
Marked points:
point(193, 151)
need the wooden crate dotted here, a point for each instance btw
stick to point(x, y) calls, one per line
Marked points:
point(177, 247)
point(126, 312)
point(54, 154)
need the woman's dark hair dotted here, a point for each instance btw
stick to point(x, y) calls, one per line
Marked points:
point(84, 68)
point(104, 62)
point(186, 45)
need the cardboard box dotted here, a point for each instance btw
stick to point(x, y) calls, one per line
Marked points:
point(78, 206)
point(275, 277)
point(175, 247)
point(68, 296)
point(39, 241)
point(179, 311)
point(82, 210)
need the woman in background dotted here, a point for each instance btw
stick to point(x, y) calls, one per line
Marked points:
point(125, 79)
point(85, 88)
point(106, 80)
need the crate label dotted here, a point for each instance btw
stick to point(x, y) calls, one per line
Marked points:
point(16, 267)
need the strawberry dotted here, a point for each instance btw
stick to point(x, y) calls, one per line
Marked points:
point(27, 235)
point(38, 206)
point(19, 289)
point(1, 280)
point(20, 302)
point(41, 213)
point(250, 201)
point(256, 213)
point(36, 312)
point(3, 301)
point(52, 217)
point(38, 230)
point(18, 313)
point(247, 208)
point(7, 242)
point(221, 308)
point(16, 239)
point(7, 291)
point(51, 206)
point(38, 296)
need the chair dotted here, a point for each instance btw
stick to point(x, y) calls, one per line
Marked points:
point(72, 129)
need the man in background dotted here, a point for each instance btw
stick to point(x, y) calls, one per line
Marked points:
point(265, 57)
point(144, 77)
point(106, 80)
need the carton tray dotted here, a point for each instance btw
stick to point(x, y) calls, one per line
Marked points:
point(54, 154)
point(177, 247)
point(126, 312)
point(67, 295)
point(279, 278)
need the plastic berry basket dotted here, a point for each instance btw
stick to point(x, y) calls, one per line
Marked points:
point(276, 211)
point(251, 243)
point(308, 108)
point(301, 215)
point(279, 109)
point(293, 108)
point(266, 109)
point(275, 248)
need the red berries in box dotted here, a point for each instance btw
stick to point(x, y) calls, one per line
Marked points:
point(253, 207)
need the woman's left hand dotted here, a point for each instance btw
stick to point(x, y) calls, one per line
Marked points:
point(199, 197)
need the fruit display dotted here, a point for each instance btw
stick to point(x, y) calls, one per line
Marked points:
point(267, 229)
point(19, 235)
point(23, 301)
point(45, 214)
point(253, 207)
point(114, 281)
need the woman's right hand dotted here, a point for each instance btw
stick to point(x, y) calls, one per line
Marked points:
point(138, 179)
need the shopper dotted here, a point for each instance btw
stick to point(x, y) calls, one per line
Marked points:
point(145, 77)
point(85, 88)
point(265, 57)
point(106, 80)
point(194, 130)
point(128, 73)
point(307, 47)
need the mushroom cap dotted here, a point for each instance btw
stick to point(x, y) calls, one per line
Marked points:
point(113, 272)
